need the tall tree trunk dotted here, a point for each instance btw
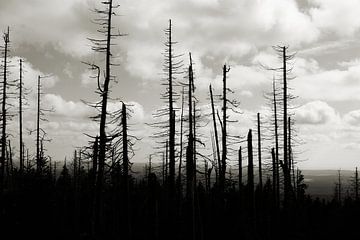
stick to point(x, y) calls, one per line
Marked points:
point(250, 182)
point(195, 153)
point(4, 113)
point(181, 145)
point(224, 132)
point(287, 175)
point(190, 149)
point(102, 127)
point(126, 206)
point(20, 120)
point(277, 182)
point(171, 120)
point(291, 162)
point(38, 158)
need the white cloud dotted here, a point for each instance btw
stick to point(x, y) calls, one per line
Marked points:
point(61, 23)
point(68, 109)
point(332, 85)
point(316, 112)
point(352, 118)
point(340, 17)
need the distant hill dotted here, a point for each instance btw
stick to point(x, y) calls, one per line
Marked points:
point(321, 183)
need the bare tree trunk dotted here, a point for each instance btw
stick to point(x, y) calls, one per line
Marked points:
point(291, 162)
point(277, 173)
point(38, 160)
point(250, 182)
point(224, 132)
point(287, 176)
point(181, 145)
point(126, 172)
point(102, 135)
point(4, 113)
point(171, 121)
point(190, 149)
point(195, 153)
point(20, 121)
point(215, 130)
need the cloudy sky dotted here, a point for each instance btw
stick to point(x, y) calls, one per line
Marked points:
point(51, 36)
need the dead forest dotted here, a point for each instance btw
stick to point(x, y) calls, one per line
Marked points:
point(192, 186)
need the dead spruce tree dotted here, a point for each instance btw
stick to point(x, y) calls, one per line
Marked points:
point(122, 152)
point(166, 116)
point(281, 100)
point(272, 135)
point(20, 87)
point(190, 153)
point(217, 148)
point(227, 139)
point(4, 115)
point(103, 45)
point(41, 134)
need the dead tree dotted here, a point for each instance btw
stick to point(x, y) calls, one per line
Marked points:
point(103, 45)
point(21, 143)
point(276, 163)
point(125, 154)
point(224, 130)
point(286, 162)
point(171, 119)
point(4, 115)
point(167, 115)
point(179, 183)
point(281, 105)
point(215, 131)
point(41, 134)
point(250, 181)
point(190, 163)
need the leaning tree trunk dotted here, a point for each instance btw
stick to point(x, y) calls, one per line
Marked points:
point(276, 170)
point(215, 130)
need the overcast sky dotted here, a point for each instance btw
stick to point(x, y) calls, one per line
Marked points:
point(52, 38)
